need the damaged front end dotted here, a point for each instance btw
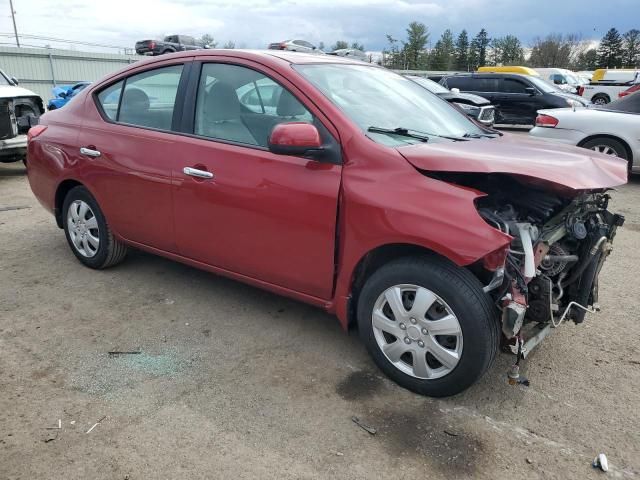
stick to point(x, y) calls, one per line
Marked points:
point(561, 239)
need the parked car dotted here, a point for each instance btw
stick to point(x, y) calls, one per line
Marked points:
point(20, 109)
point(362, 194)
point(170, 44)
point(517, 97)
point(475, 106)
point(295, 46)
point(63, 93)
point(611, 129)
point(629, 91)
point(350, 52)
point(607, 85)
point(562, 78)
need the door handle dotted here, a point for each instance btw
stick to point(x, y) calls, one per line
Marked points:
point(90, 152)
point(194, 172)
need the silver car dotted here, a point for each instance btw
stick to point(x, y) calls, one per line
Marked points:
point(295, 46)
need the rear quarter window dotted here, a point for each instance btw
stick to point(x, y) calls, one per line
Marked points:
point(109, 98)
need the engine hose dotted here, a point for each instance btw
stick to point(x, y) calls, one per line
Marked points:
point(587, 261)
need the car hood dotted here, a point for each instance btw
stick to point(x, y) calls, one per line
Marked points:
point(533, 160)
point(467, 98)
point(11, 91)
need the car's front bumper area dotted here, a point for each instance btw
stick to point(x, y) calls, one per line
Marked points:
point(13, 149)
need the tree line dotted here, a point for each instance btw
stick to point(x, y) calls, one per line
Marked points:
point(466, 53)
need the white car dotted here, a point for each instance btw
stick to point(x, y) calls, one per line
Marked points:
point(612, 129)
point(19, 110)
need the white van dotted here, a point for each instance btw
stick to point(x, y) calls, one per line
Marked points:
point(562, 78)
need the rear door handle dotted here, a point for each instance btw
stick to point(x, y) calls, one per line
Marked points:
point(194, 172)
point(90, 152)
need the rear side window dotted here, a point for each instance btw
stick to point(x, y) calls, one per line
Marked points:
point(146, 99)
point(510, 85)
point(461, 83)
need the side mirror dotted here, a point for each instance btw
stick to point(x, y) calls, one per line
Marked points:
point(294, 138)
point(15, 81)
point(530, 91)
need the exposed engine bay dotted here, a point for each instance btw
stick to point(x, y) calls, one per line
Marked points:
point(560, 241)
point(18, 115)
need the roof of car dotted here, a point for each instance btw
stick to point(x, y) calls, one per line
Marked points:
point(487, 74)
point(286, 55)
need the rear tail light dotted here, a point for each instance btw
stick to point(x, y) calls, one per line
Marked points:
point(629, 91)
point(283, 46)
point(546, 121)
point(35, 131)
point(580, 90)
point(152, 45)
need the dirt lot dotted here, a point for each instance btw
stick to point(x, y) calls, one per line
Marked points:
point(233, 382)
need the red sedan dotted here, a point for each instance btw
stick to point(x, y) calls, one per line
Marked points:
point(340, 184)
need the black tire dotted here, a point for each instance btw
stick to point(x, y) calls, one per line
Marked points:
point(600, 99)
point(463, 293)
point(612, 143)
point(110, 251)
point(51, 108)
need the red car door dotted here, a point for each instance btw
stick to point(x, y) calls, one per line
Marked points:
point(126, 140)
point(242, 208)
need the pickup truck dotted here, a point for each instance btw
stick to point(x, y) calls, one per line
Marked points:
point(602, 92)
point(170, 44)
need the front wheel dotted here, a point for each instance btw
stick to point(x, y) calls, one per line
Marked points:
point(428, 325)
point(87, 231)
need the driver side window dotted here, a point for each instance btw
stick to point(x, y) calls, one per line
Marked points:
point(238, 104)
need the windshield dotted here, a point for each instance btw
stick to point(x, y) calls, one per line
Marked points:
point(376, 97)
point(430, 85)
point(542, 85)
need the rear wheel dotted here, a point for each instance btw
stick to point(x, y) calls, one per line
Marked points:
point(428, 325)
point(87, 231)
point(601, 99)
point(608, 146)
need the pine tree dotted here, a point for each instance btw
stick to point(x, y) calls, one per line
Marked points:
point(462, 52)
point(631, 45)
point(479, 47)
point(417, 38)
point(442, 56)
point(357, 46)
point(610, 51)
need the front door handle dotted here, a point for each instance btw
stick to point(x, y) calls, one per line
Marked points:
point(90, 152)
point(194, 172)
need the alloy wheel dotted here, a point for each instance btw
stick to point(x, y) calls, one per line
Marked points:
point(417, 331)
point(82, 225)
point(606, 149)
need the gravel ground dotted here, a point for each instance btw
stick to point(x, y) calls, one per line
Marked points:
point(234, 382)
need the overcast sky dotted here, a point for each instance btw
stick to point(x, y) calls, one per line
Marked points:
point(255, 23)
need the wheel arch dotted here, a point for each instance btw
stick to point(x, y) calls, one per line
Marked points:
point(624, 143)
point(602, 95)
point(61, 192)
point(372, 261)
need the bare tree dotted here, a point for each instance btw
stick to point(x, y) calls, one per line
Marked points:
point(556, 50)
